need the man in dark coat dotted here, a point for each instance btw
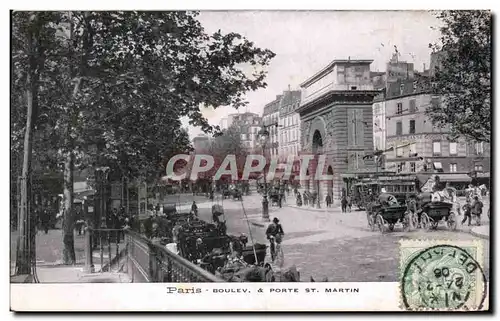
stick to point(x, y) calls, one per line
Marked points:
point(477, 209)
point(273, 230)
point(467, 208)
point(328, 200)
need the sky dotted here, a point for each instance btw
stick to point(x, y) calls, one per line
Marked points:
point(306, 41)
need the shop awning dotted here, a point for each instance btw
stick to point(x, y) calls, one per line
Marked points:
point(457, 178)
point(483, 175)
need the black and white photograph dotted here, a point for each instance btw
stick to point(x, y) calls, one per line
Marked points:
point(254, 149)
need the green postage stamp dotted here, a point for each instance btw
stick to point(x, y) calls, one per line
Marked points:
point(442, 275)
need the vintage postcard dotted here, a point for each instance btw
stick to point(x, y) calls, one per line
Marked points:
point(250, 160)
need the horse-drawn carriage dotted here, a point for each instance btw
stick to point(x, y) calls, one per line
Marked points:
point(387, 211)
point(433, 212)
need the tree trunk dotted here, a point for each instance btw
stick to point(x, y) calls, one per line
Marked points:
point(68, 220)
point(24, 244)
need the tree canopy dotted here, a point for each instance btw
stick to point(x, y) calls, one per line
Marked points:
point(463, 75)
point(139, 72)
point(107, 89)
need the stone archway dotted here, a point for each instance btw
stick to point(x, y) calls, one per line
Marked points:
point(317, 143)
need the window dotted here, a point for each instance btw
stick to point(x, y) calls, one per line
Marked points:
point(400, 167)
point(399, 128)
point(412, 127)
point(401, 89)
point(412, 167)
point(413, 106)
point(438, 167)
point(399, 151)
point(415, 86)
point(436, 148)
point(453, 168)
point(478, 168)
point(479, 148)
point(354, 88)
point(399, 110)
point(453, 149)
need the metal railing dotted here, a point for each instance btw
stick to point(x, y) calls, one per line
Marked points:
point(107, 245)
point(151, 262)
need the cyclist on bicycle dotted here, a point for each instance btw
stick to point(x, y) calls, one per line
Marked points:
point(274, 230)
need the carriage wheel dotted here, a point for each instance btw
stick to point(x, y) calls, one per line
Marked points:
point(452, 221)
point(380, 223)
point(425, 221)
point(434, 225)
point(369, 218)
point(373, 223)
point(414, 220)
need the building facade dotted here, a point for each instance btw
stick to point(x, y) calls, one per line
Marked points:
point(379, 120)
point(248, 125)
point(337, 121)
point(270, 117)
point(419, 146)
point(289, 125)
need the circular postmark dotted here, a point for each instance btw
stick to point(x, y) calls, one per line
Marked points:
point(443, 277)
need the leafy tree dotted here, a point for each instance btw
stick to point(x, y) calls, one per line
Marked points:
point(33, 39)
point(119, 82)
point(463, 75)
point(228, 142)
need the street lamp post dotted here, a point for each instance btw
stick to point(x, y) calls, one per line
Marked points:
point(264, 137)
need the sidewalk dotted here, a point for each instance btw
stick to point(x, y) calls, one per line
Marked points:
point(482, 231)
point(76, 274)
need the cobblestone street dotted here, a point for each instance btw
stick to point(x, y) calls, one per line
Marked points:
point(326, 243)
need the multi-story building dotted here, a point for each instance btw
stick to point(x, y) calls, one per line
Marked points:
point(419, 146)
point(270, 117)
point(379, 128)
point(289, 125)
point(398, 78)
point(248, 125)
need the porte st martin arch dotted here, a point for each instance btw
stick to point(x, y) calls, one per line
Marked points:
point(336, 120)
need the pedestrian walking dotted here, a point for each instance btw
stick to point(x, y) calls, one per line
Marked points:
point(344, 204)
point(298, 199)
point(194, 209)
point(467, 208)
point(306, 199)
point(349, 203)
point(328, 200)
point(477, 209)
point(274, 230)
